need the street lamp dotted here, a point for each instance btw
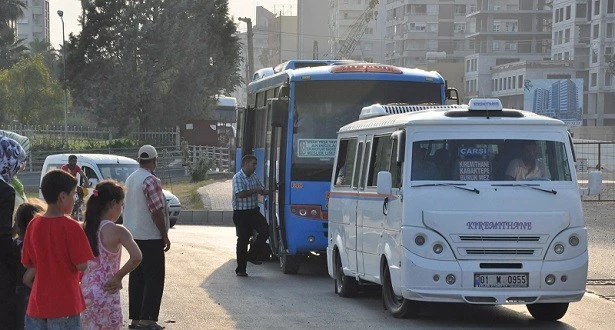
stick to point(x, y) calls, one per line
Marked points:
point(61, 14)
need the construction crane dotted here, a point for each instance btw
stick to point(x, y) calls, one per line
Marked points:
point(356, 31)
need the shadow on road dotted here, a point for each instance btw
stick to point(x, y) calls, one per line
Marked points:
point(269, 299)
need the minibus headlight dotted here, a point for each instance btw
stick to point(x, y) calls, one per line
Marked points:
point(419, 240)
point(450, 279)
point(437, 248)
point(573, 240)
point(550, 279)
point(558, 248)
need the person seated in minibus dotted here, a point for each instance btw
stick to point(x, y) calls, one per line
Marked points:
point(527, 167)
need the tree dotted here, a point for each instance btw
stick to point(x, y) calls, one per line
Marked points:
point(10, 48)
point(154, 62)
point(30, 94)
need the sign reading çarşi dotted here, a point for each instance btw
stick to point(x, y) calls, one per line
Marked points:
point(316, 148)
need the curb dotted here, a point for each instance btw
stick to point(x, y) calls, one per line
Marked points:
point(206, 218)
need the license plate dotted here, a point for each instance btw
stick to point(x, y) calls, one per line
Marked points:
point(514, 280)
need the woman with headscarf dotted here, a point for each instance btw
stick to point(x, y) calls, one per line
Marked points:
point(12, 159)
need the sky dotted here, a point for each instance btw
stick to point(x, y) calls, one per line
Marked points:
point(72, 10)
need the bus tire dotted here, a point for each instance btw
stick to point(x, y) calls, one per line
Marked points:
point(399, 307)
point(548, 312)
point(289, 264)
point(345, 286)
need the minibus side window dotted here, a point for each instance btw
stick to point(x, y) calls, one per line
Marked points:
point(345, 161)
point(357, 163)
point(366, 157)
point(381, 158)
point(396, 175)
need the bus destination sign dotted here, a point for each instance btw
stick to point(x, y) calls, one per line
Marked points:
point(317, 148)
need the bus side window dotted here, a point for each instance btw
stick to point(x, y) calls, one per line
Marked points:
point(345, 161)
point(381, 158)
point(357, 166)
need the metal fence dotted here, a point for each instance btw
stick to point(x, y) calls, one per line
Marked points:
point(592, 155)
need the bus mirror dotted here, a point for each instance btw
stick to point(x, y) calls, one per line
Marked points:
point(452, 94)
point(385, 183)
point(279, 112)
point(400, 137)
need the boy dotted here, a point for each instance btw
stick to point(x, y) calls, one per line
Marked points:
point(57, 248)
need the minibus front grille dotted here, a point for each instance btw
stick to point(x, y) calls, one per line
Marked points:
point(492, 238)
point(474, 252)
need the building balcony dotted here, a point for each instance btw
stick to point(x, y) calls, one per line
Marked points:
point(512, 14)
point(506, 35)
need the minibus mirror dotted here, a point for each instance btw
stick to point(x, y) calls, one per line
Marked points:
point(595, 183)
point(452, 94)
point(279, 111)
point(385, 183)
point(400, 137)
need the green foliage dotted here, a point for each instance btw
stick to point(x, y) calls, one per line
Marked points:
point(29, 93)
point(152, 62)
point(10, 48)
point(198, 172)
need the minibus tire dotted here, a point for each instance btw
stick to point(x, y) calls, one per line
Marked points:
point(399, 307)
point(345, 286)
point(548, 312)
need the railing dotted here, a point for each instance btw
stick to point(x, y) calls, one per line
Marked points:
point(596, 155)
point(221, 159)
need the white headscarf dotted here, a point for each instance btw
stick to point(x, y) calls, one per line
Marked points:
point(12, 158)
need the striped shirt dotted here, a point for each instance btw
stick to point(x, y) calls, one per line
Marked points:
point(242, 182)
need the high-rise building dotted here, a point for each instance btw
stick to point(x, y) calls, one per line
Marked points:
point(34, 24)
point(420, 31)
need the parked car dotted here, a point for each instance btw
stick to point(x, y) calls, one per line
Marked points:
point(98, 167)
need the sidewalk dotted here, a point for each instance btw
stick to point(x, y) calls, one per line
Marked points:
point(217, 203)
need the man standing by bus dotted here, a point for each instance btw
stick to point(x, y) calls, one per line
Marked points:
point(246, 214)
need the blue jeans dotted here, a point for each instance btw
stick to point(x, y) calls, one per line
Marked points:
point(60, 323)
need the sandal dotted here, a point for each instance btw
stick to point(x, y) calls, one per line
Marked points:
point(153, 326)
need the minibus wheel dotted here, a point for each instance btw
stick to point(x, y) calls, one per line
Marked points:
point(548, 312)
point(289, 264)
point(345, 286)
point(399, 306)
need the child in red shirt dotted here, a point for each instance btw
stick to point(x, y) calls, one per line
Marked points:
point(57, 248)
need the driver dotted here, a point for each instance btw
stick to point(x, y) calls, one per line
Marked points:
point(527, 167)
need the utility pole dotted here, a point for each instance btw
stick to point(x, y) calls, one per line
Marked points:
point(64, 86)
point(248, 21)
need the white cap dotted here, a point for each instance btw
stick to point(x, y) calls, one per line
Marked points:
point(147, 152)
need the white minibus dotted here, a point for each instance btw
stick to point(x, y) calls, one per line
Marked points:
point(460, 204)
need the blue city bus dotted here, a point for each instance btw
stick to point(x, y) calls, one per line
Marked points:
point(290, 125)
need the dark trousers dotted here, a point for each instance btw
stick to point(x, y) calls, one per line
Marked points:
point(146, 282)
point(246, 222)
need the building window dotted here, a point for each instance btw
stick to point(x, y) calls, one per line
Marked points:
point(581, 11)
point(460, 27)
point(608, 79)
point(610, 29)
point(566, 56)
point(594, 56)
point(568, 12)
point(594, 78)
point(597, 7)
point(467, 65)
point(432, 27)
point(567, 35)
point(432, 9)
point(595, 31)
point(610, 7)
point(460, 9)
point(520, 80)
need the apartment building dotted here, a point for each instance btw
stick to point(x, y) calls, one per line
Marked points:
point(505, 31)
point(419, 32)
point(312, 29)
point(34, 25)
point(584, 32)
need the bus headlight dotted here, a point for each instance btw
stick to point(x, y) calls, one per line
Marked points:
point(558, 248)
point(302, 212)
point(437, 248)
point(573, 240)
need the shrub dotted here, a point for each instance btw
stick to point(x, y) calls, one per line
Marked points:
point(198, 171)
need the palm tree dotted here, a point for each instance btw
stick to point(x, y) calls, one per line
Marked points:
point(10, 48)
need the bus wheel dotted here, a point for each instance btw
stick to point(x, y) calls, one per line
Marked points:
point(548, 312)
point(289, 264)
point(399, 307)
point(345, 286)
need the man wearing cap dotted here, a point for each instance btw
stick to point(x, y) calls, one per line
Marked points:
point(145, 219)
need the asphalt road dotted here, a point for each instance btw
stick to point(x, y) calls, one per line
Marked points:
point(202, 292)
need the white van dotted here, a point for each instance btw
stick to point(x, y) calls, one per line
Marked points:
point(465, 204)
point(103, 166)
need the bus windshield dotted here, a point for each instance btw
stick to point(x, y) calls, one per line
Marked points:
point(322, 107)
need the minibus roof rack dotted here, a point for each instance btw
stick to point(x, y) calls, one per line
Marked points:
point(377, 110)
